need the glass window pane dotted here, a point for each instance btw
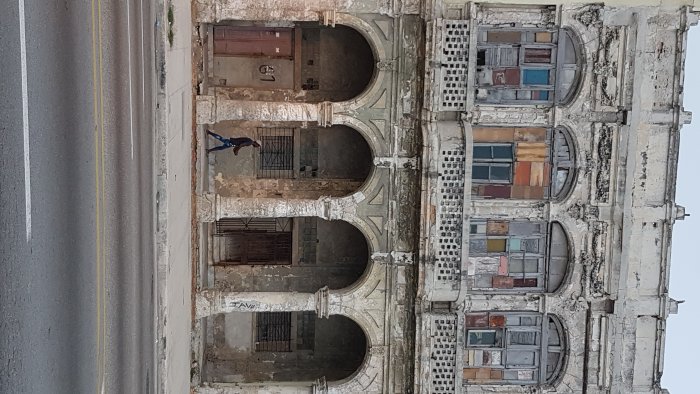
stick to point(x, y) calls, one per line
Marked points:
point(482, 152)
point(503, 152)
point(514, 245)
point(480, 172)
point(496, 245)
point(500, 173)
point(482, 338)
point(531, 245)
point(535, 77)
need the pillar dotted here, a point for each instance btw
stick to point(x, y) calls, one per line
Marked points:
point(211, 109)
point(212, 302)
point(212, 207)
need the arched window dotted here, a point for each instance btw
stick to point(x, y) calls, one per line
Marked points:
point(520, 348)
point(525, 66)
point(529, 163)
point(516, 256)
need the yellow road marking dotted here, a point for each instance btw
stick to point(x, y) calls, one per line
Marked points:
point(102, 185)
point(98, 117)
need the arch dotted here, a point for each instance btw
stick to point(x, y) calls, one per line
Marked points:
point(288, 254)
point(558, 260)
point(284, 347)
point(300, 61)
point(374, 139)
point(295, 161)
point(557, 344)
point(570, 63)
point(563, 153)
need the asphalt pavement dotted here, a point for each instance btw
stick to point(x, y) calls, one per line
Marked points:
point(76, 196)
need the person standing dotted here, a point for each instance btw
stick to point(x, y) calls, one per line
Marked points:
point(236, 143)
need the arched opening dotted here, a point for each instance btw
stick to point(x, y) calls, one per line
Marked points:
point(296, 61)
point(287, 254)
point(247, 347)
point(568, 67)
point(525, 66)
point(517, 348)
point(530, 163)
point(292, 162)
point(508, 256)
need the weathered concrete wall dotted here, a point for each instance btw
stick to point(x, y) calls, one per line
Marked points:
point(337, 351)
point(625, 121)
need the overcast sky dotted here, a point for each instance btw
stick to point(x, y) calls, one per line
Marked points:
point(682, 340)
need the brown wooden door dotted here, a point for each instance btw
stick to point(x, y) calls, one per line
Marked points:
point(254, 41)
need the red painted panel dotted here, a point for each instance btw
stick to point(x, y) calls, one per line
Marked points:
point(253, 41)
point(496, 191)
point(522, 173)
point(502, 282)
point(525, 282)
point(476, 320)
point(507, 76)
point(497, 321)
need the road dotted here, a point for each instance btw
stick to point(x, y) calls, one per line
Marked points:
point(76, 196)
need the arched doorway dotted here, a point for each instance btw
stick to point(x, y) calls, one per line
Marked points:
point(247, 347)
point(287, 254)
point(293, 162)
point(295, 61)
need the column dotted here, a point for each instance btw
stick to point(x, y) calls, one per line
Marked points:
point(211, 109)
point(257, 388)
point(212, 207)
point(212, 302)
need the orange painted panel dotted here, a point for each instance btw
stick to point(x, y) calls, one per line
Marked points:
point(497, 227)
point(483, 373)
point(469, 373)
point(547, 174)
point(522, 173)
point(537, 174)
point(493, 134)
point(496, 374)
point(530, 134)
point(497, 320)
point(528, 192)
point(531, 151)
point(543, 36)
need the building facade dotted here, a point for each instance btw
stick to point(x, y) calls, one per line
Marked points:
point(449, 197)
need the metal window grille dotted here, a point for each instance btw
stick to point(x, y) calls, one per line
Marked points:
point(261, 241)
point(273, 332)
point(276, 153)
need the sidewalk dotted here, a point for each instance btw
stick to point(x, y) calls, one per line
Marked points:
point(173, 198)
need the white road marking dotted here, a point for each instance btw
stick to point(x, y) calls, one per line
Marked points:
point(131, 103)
point(143, 61)
point(25, 123)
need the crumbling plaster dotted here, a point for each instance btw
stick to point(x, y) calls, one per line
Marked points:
point(381, 301)
point(622, 198)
